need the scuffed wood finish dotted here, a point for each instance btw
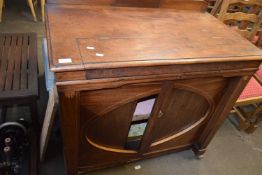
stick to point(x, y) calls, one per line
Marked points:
point(135, 44)
point(122, 56)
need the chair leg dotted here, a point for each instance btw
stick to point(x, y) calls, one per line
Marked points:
point(1, 9)
point(243, 122)
point(43, 9)
point(216, 7)
point(34, 114)
point(251, 129)
point(257, 115)
point(32, 8)
point(258, 110)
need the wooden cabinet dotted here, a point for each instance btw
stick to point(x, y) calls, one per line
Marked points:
point(137, 83)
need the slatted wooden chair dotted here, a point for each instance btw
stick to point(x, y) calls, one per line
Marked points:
point(216, 7)
point(248, 20)
point(19, 73)
point(43, 10)
point(210, 4)
point(31, 3)
point(249, 105)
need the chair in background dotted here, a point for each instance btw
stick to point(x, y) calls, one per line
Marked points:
point(32, 4)
point(43, 10)
point(216, 7)
point(247, 17)
point(211, 4)
point(1, 9)
point(248, 107)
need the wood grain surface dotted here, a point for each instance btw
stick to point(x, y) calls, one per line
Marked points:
point(124, 37)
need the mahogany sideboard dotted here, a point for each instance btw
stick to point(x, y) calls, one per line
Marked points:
point(175, 74)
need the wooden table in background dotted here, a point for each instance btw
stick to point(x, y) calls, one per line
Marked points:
point(108, 59)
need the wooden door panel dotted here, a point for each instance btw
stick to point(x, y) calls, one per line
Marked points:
point(100, 102)
point(92, 157)
point(184, 108)
point(187, 106)
point(111, 129)
point(179, 140)
point(106, 115)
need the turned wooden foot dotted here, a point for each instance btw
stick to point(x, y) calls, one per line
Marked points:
point(200, 156)
point(199, 153)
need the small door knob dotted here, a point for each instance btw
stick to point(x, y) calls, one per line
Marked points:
point(160, 114)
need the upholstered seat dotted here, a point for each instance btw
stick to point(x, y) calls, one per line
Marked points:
point(252, 90)
point(251, 95)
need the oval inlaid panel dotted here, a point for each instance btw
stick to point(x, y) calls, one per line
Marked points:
point(106, 121)
point(186, 109)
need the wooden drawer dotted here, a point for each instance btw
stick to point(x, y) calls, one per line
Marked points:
point(230, 68)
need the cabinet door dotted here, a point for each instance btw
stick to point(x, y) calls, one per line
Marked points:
point(113, 121)
point(180, 113)
point(128, 122)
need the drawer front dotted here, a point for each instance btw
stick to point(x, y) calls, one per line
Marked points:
point(181, 71)
point(178, 70)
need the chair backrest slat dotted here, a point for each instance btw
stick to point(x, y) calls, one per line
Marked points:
point(240, 16)
point(244, 33)
point(252, 14)
point(247, 2)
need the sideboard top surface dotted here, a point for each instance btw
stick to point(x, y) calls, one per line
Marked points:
point(82, 37)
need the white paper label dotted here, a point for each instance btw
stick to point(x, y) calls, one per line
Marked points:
point(99, 54)
point(65, 60)
point(90, 48)
point(137, 167)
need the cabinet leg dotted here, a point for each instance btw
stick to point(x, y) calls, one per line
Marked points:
point(199, 153)
point(234, 89)
point(70, 111)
